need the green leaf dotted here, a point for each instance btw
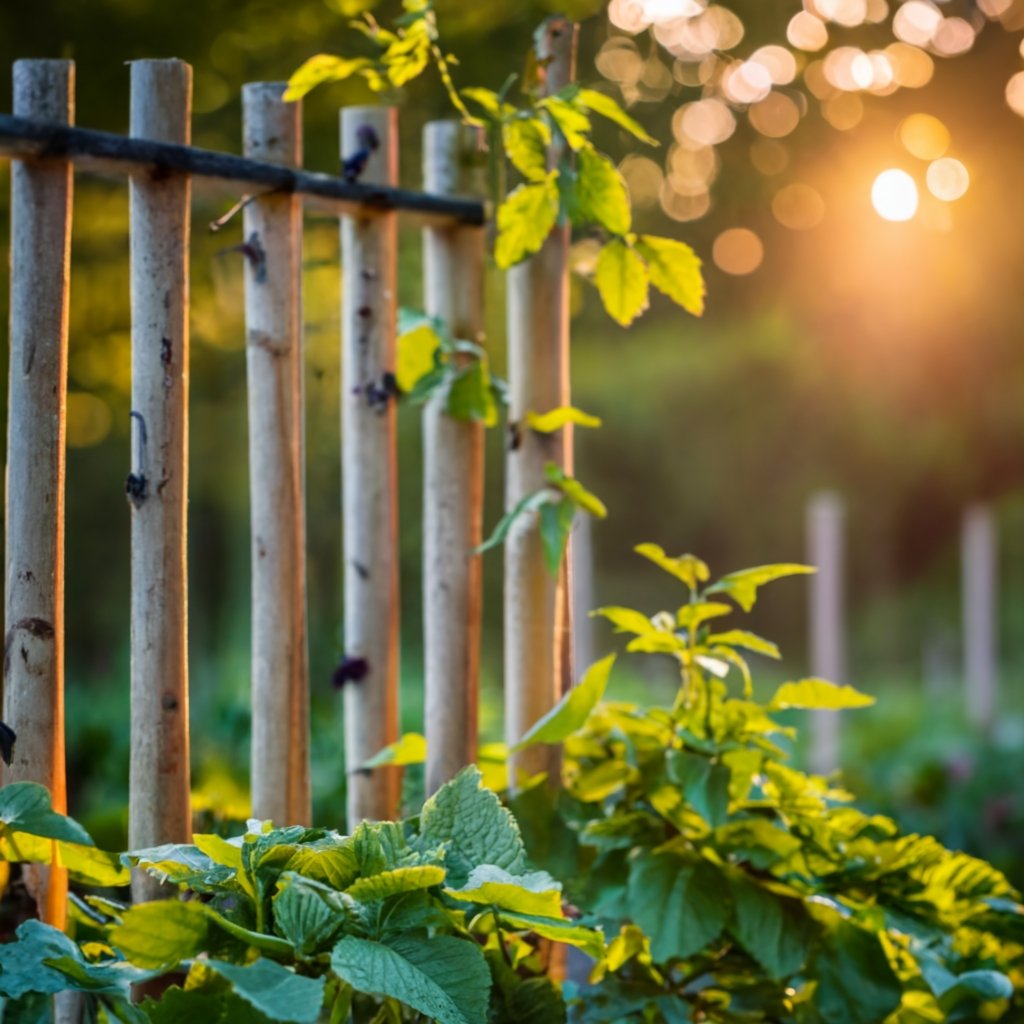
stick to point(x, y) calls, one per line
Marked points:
point(742, 586)
point(26, 807)
point(304, 919)
point(572, 123)
point(600, 195)
point(575, 491)
point(21, 963)
point(470, 396)
point(626, 620)
point(472, 825)
point(818, 694)
point(572, 711)
point(416, 355)
point(856, 985)
point(681, 905)
point(526, 141)
point(410, 748)
point(555, 419)
point(276, 991)
point(774, 930)
point(200, 1006)
point(163, 933)
point(319, 69)
point(688, 568)
point(444, 978)
point(525, 220)
point(390, 883)
point(535, 892)
point(555, 526)
point(621, 278)
point(748, 641)
point(530, 503)
point(975, 986)
point(181, 864)
point(602, 104)
point(704, 784)
point(675, 271)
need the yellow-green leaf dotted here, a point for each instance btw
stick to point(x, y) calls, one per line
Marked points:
point(688, 568)
point(575, 491)
point(526, 142)
point(742, 586)
point(675, 271)
point(601, 196)
point(489, 100)
point(607, 107)
point(411, 748)
point(818, 694)
point(572, 123)
point(749, 641)
point(390, 883)
point(626, 620)
point(525, 220)
point(407, 57)
point(322, 68)
point(549, 422)
point(572, 710)
point(535, 892)
point(416, 355)
point(621, 278)
point(690, 616)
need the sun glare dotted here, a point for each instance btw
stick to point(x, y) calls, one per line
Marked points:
point(894, 195)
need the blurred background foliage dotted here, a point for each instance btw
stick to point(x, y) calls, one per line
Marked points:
point(881, 360)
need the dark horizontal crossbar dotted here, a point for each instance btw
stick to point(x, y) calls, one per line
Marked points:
point(107, 152)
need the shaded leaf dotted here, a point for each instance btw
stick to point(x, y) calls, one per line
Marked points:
point(599, 194)
point(273, 990)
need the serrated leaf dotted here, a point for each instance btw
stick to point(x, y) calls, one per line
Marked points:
point(818, 694)
point(181, 864)
point(303, 917)
point(444, 978)
point(602, 104)
point(572, 711)
point(472, 825)
point(599, 194)
point(409, 748)
point(681, 905)
point(319, 69)
point(621, 278)
point(572, 123)
point(555, 419)
point(390, 883)
point(688, 568)
point(199, 1006)
point(774, 930)
point(219, 850)
point(525, 220)
point(675, 271)
point(163, 933)
point(416, 355)
point(526, 142)
point(742, 586)
point(273, 990)
point(535, 892)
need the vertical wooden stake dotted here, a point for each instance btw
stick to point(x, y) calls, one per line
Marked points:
point(826, 551)
point(273, 316)
point(583, 598)
point(979, 554)
point(454, 163)
point(369, 244)
point(159, 807)
point(34, 572)
point(536, 604)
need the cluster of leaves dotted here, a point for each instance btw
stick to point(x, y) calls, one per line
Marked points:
point(565, 179)
point(732, 887)
point(436, 918)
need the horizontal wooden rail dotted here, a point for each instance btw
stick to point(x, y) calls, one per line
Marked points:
point(109, 153)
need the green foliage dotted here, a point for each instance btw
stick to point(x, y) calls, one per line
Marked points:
point(302, 924)
point(732, 887)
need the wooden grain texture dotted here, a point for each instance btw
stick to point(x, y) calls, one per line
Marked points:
point(369, 480)
point(272, 230)
point(33, 705)
point(536, 603)
point(454, 163)
point(159, 804)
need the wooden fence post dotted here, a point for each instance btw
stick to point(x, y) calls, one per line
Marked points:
point(34, 572)
point(454, 163)
point(273, 314)
point(369, 479)
point(159, 802)
point(979, 553)
point(536, 604)
point(826, 551)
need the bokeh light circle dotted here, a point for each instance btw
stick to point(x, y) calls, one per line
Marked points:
point(738, 251)
point(924, 136)
point(894, 195)
point(947, 179)
point(798, 207)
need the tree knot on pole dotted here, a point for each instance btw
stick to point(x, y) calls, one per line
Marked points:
point(136, 487)
point(41, 629)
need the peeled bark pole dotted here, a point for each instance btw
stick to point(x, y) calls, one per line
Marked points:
point(159, 806)
point(536, 603)
point(369, 243)
point(980, 603)
point(454, 163)
point(826, 551)
point(34, 573)
point(273, 315)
